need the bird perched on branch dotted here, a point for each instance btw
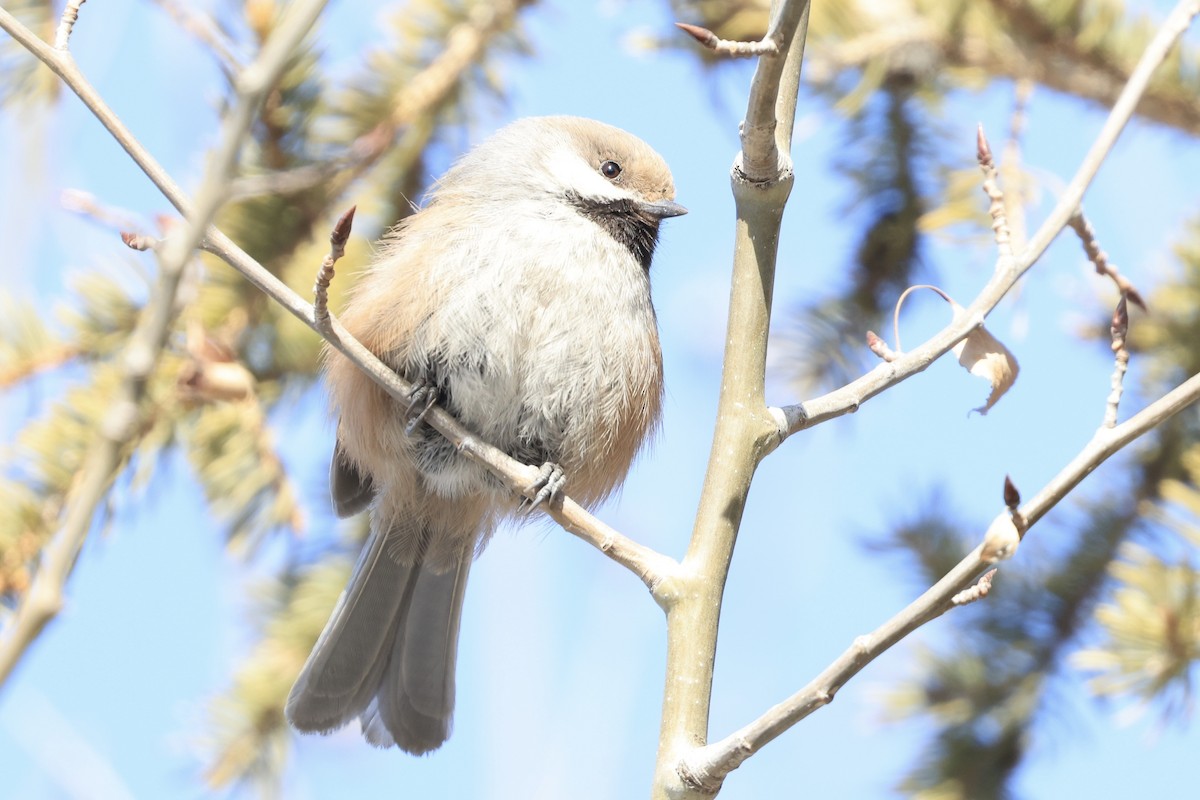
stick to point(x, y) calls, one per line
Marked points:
point(519, 300)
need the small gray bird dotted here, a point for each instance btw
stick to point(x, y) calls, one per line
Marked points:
point(519, 299)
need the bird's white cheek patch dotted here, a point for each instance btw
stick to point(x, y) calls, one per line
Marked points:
point(575, 174)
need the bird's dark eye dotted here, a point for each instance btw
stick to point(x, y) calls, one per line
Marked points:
point(610, 169)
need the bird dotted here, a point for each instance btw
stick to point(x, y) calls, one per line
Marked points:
point(518, 299)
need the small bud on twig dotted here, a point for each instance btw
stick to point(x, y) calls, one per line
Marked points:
point(991, 187)
point(139, 241)
point(726, 47)
point(1012, 498)
point(880, 348)
point(337, 248)
point(976, 592)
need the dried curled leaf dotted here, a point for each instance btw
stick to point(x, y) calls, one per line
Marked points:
point(985, 356)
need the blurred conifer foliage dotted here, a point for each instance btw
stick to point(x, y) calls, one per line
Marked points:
point(882, 68)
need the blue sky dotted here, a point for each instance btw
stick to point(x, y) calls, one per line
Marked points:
point(562, 653)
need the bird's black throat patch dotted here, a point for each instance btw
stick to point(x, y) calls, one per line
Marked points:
point(633, 228)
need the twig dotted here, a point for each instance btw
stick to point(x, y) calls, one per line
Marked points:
point(1008, 271)
point(977, 592)
point(1119, 329)
point(900, 304)
point(140, 356)
point(727, 47)
point(1087, 237)
point(708, 765)
point(70, 14)
point(991, 187)
point(657, 571)
point(337, 248)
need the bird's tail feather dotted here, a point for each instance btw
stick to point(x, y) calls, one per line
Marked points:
point(387, 654)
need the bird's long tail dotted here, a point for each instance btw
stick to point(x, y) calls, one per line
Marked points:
point(387, 654)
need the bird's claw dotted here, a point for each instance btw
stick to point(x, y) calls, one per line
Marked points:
point(422, 397)
point(549, 483)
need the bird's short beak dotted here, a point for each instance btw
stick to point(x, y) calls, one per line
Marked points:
point(663, 209)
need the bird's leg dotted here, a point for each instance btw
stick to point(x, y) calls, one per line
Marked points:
point(549, 484)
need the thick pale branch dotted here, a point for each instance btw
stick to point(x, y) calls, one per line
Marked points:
point(1008, 271)
point(655, 570)
point(763, 132)
point(707, 766)
point(122, 421)
point(746, 430)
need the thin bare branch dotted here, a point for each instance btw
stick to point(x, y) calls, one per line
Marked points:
point(140, 356)
point(707, 766)
point(657, 571)
point(66, 24)
point(1087, 237)
point(337, 248)
point(728, 47)
point(1008, 271)
point(900, 304)
point(1119, 330)
point(991, 187)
